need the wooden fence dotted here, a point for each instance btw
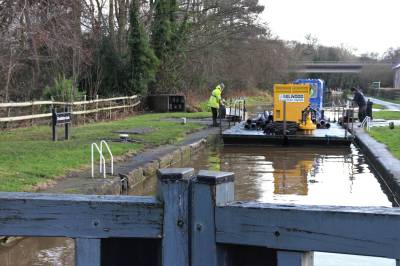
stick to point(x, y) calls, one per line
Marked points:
point(195, 221)
point(78, 108)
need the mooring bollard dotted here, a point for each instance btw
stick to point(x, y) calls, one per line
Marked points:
point(173, 190)
point(208, 190)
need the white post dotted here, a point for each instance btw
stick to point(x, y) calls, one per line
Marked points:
point(92, 160)
point(109, 152)
point(102, 160)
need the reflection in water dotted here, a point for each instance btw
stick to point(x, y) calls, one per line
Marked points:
point(334, 176)
point(290, 176)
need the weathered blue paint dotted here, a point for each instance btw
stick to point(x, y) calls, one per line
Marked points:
point(79, 216)
point(288, 258)
point(173, 190)
point(371, 231)
point(87, 252)
point(207, 189)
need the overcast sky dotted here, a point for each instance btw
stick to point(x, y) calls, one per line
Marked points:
point(365, 25)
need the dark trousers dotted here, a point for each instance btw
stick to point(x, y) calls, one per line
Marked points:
point(214, 115)
point(362, 112)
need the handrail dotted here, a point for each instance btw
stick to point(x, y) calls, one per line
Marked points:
point(109, 152)
point(102, 160)
point(366, 123)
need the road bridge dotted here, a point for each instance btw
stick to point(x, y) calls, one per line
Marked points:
point(334, 67)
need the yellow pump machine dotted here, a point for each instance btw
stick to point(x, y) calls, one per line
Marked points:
point(297, 98)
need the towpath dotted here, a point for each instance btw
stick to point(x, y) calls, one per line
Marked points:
point(388, 105)
point(80, 182)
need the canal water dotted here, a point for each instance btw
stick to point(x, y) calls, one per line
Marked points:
point(303, 175)
point(298, 175)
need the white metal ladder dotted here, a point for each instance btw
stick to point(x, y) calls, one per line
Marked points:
point(366, 123)
point(102, 168)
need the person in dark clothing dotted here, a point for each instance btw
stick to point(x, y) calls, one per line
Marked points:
point(359, 99)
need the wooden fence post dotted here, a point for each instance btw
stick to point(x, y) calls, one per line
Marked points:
point(173, 190)
point(288, 258)
point(110, 111)
point(208, 190)
point(87, 252)
point(32, 113)
point(84, 109)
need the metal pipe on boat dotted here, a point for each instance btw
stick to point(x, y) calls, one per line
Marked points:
point(230, 112)
point(234, 119)
point(244, 110)
point(240, 105)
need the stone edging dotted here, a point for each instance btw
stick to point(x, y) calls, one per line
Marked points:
point(382, 160)
point(181, 154)
point(138, 174)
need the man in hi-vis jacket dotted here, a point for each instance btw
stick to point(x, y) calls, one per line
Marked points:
point(215, 101)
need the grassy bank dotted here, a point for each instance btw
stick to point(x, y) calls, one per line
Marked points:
point(389, 137)
point(378, 106)
point(395, 100)
point(29, 157)
point(262, 98)
point(388, 115)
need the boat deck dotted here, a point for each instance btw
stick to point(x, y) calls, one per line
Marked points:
point(335, 135)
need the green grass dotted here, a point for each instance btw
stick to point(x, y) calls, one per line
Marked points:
point(388, 115)
point(389, 137)
point(262, 99)
point(395, 100)
point(29, 157)
point(378, 106)
point(197, 115)
point(203, 106)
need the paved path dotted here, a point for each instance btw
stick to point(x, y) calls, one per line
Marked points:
point(389, 106)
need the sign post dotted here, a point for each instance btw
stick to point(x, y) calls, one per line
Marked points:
point(60, 119)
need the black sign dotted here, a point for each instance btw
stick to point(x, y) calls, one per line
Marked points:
point(61, 119)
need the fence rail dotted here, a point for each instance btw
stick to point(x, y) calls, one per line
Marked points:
point(67, 104)
point(195, 221)
point(25, 104)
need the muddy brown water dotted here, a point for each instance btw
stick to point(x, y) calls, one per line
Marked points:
point(301, 175)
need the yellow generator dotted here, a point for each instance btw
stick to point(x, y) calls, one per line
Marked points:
point(297, 97)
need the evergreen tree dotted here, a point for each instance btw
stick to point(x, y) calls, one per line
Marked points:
point(167, 39)
point(143, 61)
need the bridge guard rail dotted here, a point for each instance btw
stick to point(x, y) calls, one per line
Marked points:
point(194, 220)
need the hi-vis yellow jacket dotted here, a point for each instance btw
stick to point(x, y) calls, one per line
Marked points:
point(215, 98)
